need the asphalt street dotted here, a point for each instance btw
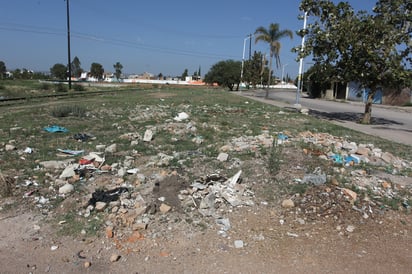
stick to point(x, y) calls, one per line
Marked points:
point(389, 122)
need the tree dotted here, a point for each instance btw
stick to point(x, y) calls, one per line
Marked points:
point(254, 69)
point(377, 52)
point(118, 70)
point(59, 71)
point(271, 36)
point(76, 68)
point(96, 70)
point(184, 74)
point(225, 73)
point(3, 69)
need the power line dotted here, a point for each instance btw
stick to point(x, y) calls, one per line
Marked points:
point(111, 41)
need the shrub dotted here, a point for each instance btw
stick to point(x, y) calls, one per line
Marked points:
point(78, 87)
point(64, 111)
point(61, 88)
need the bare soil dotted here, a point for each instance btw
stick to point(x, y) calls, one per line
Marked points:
point(378, 246)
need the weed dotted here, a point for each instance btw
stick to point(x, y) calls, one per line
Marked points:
point(275, 158)
point(61, 88)
point(45, 86)
point(65, 111)
point(78, 87)
point(298, 188)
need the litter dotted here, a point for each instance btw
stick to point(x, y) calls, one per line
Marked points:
point(337, 158)
point(55, 128)
point(181, 116)
point(71, 152)
point(83, 137)
point(106, 196)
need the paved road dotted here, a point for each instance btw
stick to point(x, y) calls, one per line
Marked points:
point(392, 123)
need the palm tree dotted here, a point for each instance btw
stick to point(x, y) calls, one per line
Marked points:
point(272, 35)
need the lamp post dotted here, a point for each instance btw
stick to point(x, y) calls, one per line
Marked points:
point(243, 56)
point(301, 63)
point(283, 72)
point(68, 45)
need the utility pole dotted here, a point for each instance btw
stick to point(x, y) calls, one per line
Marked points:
point(68, 46)
point(250, 46)
point(301, 63)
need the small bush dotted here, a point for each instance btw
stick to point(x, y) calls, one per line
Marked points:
point(275, 158)
point(45, 86)
point(64, 111)
point(61, 88)
point(78, 87)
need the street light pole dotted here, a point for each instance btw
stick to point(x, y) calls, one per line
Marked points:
point(301, 63)
point(68, 45)
point(283, 72)
point(243, 56)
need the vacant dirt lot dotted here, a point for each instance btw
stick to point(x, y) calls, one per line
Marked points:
point(197, 182)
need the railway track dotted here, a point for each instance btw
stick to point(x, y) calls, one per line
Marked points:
point(39, 98)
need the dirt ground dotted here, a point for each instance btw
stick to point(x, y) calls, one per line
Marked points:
point(323, 232)
point(273, 242)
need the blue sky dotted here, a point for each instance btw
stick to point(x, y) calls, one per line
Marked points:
point(144, 36)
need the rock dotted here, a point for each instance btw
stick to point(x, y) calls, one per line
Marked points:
point(9, 147)
point(363, 151)
point(352, 194)
point(55, 164)
point(66, 189)
point(87, 264)
point(100, 147)
point(223, 157)
point(388, 157)
point(350, 228)
point(148, 135)
point(238, 244)
point(164, 208)
point(314, 179)
point(288, 203)
point(100, 206)
point(111, 149)
point(109, 232)
point(69, 171)
point(114, 258)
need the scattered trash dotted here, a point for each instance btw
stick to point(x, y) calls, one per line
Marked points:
point(83, 137)
point(70, 152)
point(55, 128)
point(28, 150)
point(181, 116)
point(106, 196)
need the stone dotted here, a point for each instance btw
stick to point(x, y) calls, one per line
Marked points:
point(238, 244)
point(109, 232)
point(148, 135)
point(350, 228)
point(87, 264)
point(164, 208)
point(315, 179)
point(114, 258)
point(352, 194)
point(66, 189)
point(100, 206)
point(111, 149)
point(388, 157)
point(363, 151)
point(100, 147)
point(222, 157)
point(288, 203)
point(9, 147)
point(69, 171)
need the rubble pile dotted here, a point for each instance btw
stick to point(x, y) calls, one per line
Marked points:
point(136, 193)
